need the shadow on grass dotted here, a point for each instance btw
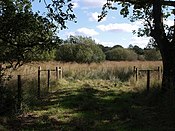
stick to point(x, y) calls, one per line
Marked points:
point(89, 108)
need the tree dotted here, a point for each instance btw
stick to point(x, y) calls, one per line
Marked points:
point(22, 31)
point(104, 48)
point(121, 54)
point(153, 13)
point(66, 52)
point(152, 54)
point(138, 50)
point(80, 49)
point(117, 46)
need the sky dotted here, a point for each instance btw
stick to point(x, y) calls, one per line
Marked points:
point(112, 30)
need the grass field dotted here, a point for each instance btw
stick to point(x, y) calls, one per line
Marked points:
point(100, 97)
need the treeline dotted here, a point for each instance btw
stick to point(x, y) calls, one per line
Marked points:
point(85, 50)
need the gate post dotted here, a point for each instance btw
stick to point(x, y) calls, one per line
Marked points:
point(19, 95)
point(148, 80)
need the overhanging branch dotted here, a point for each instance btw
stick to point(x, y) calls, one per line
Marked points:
point(168, 3)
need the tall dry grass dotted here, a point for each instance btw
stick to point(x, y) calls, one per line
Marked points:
point(93, 70)
point(108, 70)
point(116, 72)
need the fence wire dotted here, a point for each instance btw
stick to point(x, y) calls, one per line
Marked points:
point(16, 95)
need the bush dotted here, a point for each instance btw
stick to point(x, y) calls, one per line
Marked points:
point(66, 52)
point(152, 55)
point(98, 54)
point(84, 54)
point(81, 50)
point(44, 56)
point(121, 54)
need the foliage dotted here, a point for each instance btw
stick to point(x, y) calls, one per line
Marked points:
point(104, 48)
point(117, 46)
point(66, 52)
point(84, 53)
point(23, 31)
point(44, 55)
point(137, 49)
point(152, 54)
point(121, 54)
point(80, 49)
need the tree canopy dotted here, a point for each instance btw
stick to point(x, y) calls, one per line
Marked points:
point(23, 31)
point(80, 49)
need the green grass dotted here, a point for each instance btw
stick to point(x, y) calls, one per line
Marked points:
point(88, 105)
point(103, 97)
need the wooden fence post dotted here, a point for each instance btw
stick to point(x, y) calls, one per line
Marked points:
point(161, 70)
point(1, 96)
point(1, 74)
point(56, 73)
point(158, 69)
point(134, 68)
point(148, 80)
point(19, 95)
point(136, 73)
point(60, 72)
point(48, 80)
point(39, 73)
point(0, 69)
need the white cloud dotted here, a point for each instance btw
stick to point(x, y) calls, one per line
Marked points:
point(94, 17)
point(109, 43)
point(113, 17)
point(118, 27)
point(87, 31)
point(169, 22)
point(67, 34)
point(106, 43)
point(139, 41)
point(93, 3)
point(82, 31)
point(75, 5)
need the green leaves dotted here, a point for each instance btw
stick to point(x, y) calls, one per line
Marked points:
point(60, 11)
point(80, 49)
point(124, 11)
point(22, 31)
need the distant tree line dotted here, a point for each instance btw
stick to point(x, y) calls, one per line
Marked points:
point(132, 53)
point(85, 50)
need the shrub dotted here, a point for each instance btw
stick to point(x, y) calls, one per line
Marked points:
point(152, 54)
point(81, 50)
point(84, 54)
point(44, 56)
point(120, 54)
point(66, 52)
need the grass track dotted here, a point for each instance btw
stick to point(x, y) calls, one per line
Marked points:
point(97, 105)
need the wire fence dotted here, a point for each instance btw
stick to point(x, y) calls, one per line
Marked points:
point(139, 73)
point(21, 94)
point(41, 82)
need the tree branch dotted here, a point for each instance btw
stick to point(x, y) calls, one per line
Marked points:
point(140, 2)
point(168, 3)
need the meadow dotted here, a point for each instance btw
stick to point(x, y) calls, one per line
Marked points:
point(103, 96)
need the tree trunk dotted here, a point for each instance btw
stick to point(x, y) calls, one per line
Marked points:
point(168, 59)
point(167, 48)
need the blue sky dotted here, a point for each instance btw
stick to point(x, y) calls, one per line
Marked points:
point(112, 30)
